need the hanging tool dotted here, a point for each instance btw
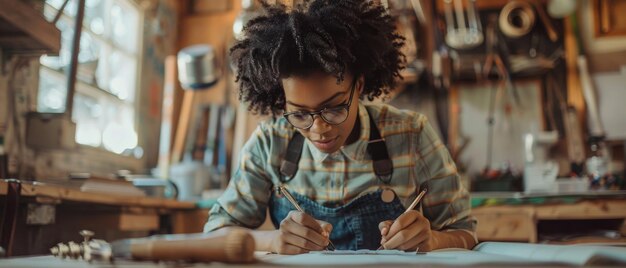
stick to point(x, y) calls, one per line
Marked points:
point(494, 50)
point(492, 60)
point(465, 35)
point(516, 19)
point(419, 11)
point(547, 23)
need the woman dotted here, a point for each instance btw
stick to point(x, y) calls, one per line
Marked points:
point(352, 167)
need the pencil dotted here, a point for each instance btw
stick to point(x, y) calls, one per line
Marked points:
point(416, 201)
point(297, 206)
point(411, 206)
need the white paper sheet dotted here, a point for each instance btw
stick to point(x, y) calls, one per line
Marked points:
point(367, 252)
point(352, 259)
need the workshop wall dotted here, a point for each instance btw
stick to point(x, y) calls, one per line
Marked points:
point(528, 111)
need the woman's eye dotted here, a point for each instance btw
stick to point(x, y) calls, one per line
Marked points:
point(299, 115)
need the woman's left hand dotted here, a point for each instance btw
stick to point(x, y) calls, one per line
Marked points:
point(410, 231)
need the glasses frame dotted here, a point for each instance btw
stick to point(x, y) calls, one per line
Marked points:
point(345, 106)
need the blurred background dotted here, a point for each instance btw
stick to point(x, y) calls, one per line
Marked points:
point(127, 111)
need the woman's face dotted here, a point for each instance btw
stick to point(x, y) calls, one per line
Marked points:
point(312, 93)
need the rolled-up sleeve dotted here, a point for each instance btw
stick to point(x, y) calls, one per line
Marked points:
point(244, 201)
point(447, 202)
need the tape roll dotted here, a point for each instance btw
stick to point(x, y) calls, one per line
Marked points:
point(516, 19)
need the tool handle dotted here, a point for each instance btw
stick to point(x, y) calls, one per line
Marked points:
point(236, 246)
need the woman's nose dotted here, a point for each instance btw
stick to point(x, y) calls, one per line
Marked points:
point(319, 125)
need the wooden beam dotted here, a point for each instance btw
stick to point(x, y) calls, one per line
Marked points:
point(20, 42)
point(183, 127)
point(574, 89)
point(30, 21)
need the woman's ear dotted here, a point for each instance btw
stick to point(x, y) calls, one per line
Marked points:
point(360, 84)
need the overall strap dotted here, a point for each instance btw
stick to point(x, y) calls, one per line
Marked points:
point(289, 165)
point(376, 147)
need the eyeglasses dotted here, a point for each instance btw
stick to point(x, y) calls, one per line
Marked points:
point(334, 116)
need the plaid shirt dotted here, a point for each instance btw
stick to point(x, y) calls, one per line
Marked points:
point(419, 158)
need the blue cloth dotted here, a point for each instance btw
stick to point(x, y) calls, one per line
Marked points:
point(355, 224)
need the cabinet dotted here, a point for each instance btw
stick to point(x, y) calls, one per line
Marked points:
point(524, 222)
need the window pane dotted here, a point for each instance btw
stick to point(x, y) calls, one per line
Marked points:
point(94, 17)
point(124, 26)
point(88, 58)
point(52, 92)
point(89, 48)
point(86, 113)
point(123, 72)
point(119, 134)
point(102, 69)
point(50, 11)
point(55, 3)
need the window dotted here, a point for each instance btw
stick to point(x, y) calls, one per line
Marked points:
point(107, 75)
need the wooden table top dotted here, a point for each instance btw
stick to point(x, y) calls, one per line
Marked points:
point(42, 190)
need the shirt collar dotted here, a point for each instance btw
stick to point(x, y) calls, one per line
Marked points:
point(354, 151)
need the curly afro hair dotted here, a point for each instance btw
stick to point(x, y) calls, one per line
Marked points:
point(330, 36)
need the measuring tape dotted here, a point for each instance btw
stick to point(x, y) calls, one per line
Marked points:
point(513, 12)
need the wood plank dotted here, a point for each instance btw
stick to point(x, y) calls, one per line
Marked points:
point(589, 209)
point(607, 62)
point(138, 222)
point(118, 221)
point(574, 89)
point(453, 123)
point(181, 130)
point(608, 19)
point(30, 21)
point(21, 43)
point(188, 222)
point(4, 187)
point(68, 194)
point(506, 223)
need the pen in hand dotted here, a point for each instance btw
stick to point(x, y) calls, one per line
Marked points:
point(412, 206)
point(297, 206)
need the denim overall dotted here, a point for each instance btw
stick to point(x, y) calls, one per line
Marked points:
point(355, 224)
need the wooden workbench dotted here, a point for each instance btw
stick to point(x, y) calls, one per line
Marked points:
point(500, 222)
point(489, 254)
point(507, 222)
point(56, 193)
point(49, 214)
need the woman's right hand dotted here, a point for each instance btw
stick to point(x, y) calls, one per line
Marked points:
point(300, 233)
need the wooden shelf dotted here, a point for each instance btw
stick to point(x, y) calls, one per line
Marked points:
point(53, 193)
point(519, 222)
point(484, 4)
point(24, 30)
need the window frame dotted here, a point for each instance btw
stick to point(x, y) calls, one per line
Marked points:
point(93, 90)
